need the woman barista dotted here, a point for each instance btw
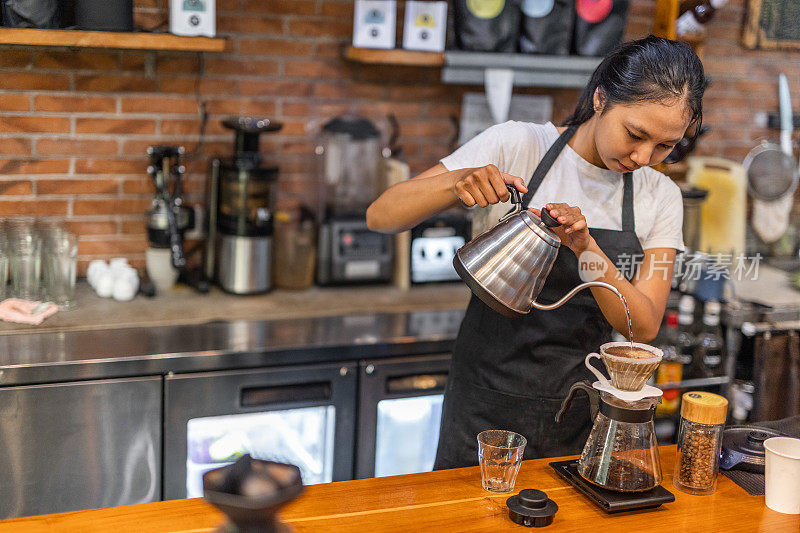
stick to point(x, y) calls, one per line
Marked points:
point(593, 175)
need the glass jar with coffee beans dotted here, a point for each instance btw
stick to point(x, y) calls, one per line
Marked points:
point(703, 417)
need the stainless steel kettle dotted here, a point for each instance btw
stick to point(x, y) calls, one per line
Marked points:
point(506, 266)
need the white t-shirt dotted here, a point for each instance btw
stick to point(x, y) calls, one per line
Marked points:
point(517, 147)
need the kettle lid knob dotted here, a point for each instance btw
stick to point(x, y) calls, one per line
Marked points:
point(548, 220)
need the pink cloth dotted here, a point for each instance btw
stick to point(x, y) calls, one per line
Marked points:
point(25, 311)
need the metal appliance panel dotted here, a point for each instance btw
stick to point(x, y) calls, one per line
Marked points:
point(51, 357)
point(402, 377)
point(80, 445)
point(349, 252)
point(192, 396)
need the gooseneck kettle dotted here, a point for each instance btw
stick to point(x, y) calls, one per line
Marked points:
point(506, 266)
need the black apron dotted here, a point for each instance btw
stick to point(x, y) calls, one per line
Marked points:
point(513, 373)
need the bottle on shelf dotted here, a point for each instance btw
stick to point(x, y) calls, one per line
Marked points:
point(710, 345)
point(692, 21)
point(671, 368)
point(686, 338)
point(670, 403)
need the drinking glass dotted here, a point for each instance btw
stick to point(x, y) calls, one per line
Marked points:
point(25, 262)
point(500, 455)
point(16, 227)
point(59, 265)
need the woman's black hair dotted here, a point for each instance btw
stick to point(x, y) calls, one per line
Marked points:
point(650, 69)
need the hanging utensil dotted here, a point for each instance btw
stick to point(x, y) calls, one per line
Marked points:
point(772, 175)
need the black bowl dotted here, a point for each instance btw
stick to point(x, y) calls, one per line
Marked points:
point(251, 491)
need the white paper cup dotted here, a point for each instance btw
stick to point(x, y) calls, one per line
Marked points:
point(782, 474)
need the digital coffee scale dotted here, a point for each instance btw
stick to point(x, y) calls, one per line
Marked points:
point(608, 500)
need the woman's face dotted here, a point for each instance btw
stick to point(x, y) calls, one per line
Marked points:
point(630, 136)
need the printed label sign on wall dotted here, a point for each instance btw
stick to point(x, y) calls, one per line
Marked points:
point(424, 26)
point(374, 23)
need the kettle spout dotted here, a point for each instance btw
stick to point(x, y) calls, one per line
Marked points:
point(571, 293)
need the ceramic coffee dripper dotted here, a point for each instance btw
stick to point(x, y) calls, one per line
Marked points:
point(627, 373)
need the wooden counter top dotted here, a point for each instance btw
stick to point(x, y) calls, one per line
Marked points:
point(448, 500)
point(183, 305)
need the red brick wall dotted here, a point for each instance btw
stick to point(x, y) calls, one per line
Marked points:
point(74, 124)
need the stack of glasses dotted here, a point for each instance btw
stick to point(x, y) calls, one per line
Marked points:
point(40, 257)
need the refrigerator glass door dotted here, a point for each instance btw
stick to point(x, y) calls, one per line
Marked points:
point(407, 434)
point(302, 437)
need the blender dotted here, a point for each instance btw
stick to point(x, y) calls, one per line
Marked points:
point(350, 170)
point(240, 218)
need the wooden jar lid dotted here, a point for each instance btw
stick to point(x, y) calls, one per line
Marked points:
point(704, 407)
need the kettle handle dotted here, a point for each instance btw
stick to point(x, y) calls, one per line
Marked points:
point(594, 399)
point(516, 199)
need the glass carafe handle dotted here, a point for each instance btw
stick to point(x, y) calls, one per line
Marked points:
point(594, 369)
point(594, 399)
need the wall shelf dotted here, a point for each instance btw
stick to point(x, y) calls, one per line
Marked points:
point(394, 57)
point(108, 39)
point(467, 68)
point(567, 72)
point(698, 382)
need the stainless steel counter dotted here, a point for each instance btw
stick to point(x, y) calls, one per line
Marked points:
point(138, 351)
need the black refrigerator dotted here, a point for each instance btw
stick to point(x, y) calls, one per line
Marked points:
point(400, 408)
point(304, 415)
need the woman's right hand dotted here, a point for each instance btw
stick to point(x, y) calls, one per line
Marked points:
point(486, 185)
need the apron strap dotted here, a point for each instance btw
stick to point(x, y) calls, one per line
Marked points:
point(628, 223)
point(547, 162)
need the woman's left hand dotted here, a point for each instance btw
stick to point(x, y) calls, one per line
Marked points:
point(573, 231)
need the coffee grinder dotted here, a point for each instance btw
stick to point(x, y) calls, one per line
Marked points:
point(240, 209)
point(350, 170)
